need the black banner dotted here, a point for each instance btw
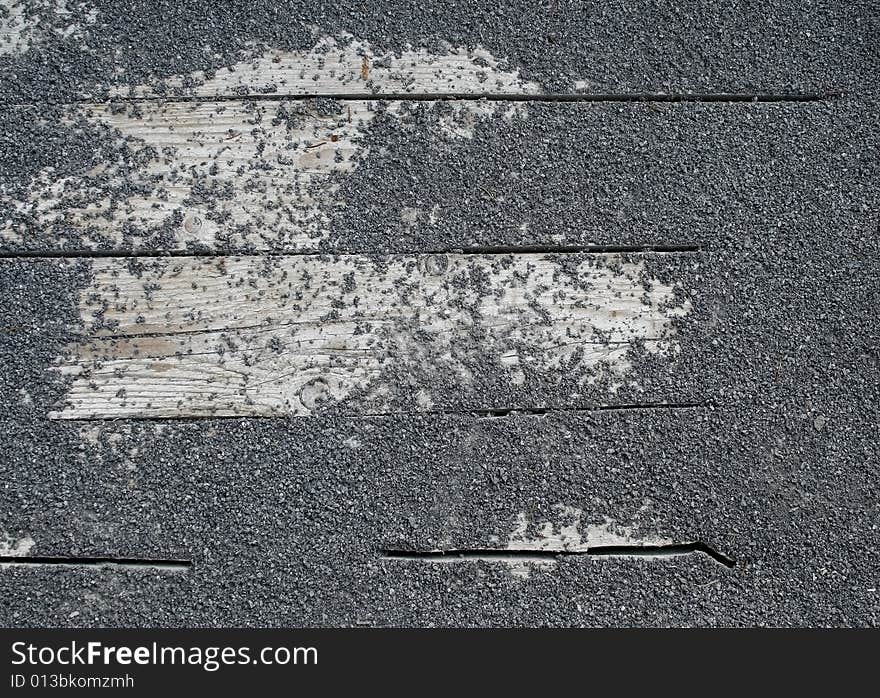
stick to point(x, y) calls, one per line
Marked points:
point(143, 662)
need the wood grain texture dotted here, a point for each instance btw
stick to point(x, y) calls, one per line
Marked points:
point(361, 335)
point(259, 169)
point(345, 65)
point(233, 174)
point(13, 28)
point(237, 173)
point(362, 176)
point(25, 24)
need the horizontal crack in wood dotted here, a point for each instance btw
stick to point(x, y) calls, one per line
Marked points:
point(730, 97)
point(481, 250)
point(527, 555)
point(111, 562)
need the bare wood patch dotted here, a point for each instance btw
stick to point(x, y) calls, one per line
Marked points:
point(15, 547)
point(14, 28)
point(296, 335)
point(569, 533)
point(345, 65)
point(24, 24)
point(235, 174)
point(255, 174)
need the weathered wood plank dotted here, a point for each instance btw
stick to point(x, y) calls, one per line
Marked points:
point(295, 335)
point(359, 176)
point(208, 171)
point(215, 175)
point(28, 23)
point(13, 28)
point(344, 65)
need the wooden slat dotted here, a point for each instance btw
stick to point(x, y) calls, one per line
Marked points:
point(28, 23)
point(265, 177)
point(13, 28)
point(216, 175)
point(272, 507)
point(301, 177)
point(344, 65)
point(294, 335)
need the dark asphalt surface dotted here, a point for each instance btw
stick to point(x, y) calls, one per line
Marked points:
point(283, 519)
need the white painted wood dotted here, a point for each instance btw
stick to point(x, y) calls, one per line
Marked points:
point(220, 175)
point(25, 24)
point(345, 65)
point(292, 335)
point(270, 178)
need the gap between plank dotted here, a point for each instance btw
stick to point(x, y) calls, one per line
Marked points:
point(541, 411)
point(475, 250)
point(525, 555)
point(485, 413)
point(112, 562)
point(730, 97)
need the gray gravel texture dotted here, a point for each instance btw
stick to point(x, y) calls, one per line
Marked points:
point(695, 46)
point(284, 519)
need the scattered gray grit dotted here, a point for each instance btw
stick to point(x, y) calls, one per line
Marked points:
point(284, 518)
